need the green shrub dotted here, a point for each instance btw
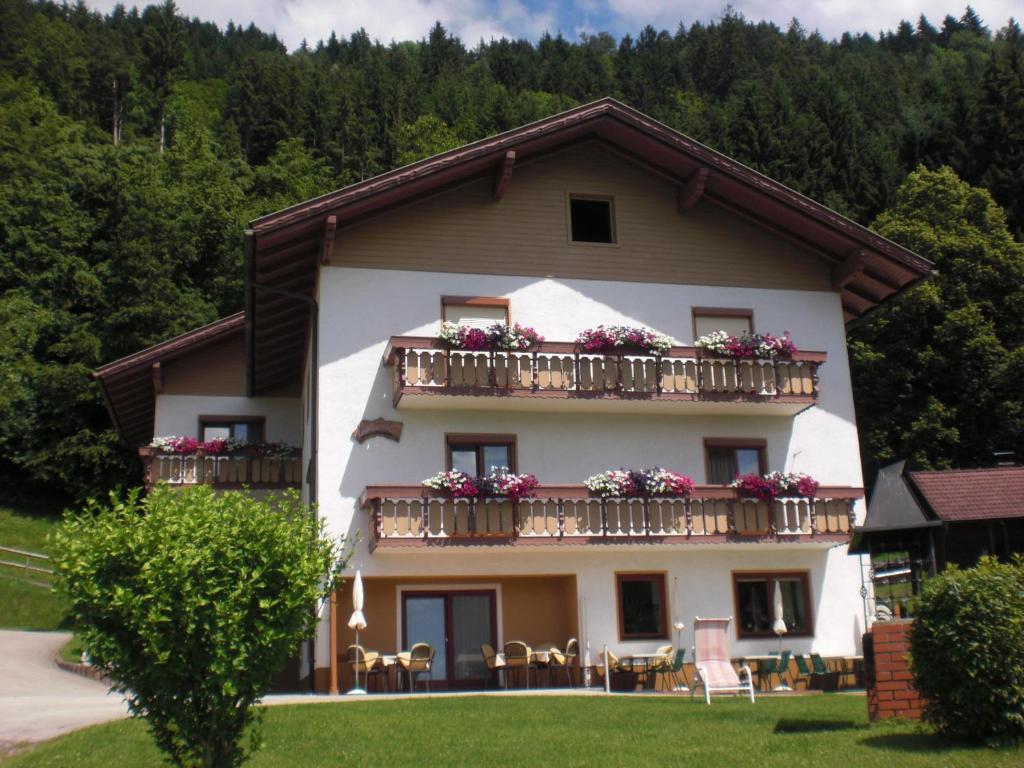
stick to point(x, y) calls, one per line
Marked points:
point(191, 600)
point(967, 651)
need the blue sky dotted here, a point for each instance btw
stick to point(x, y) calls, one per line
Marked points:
point(472, 20)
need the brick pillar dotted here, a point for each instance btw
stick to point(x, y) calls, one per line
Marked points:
point(890, 687)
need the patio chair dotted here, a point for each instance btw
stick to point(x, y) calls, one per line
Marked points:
point(364, 665)
point(673, 667)
point(803, 672)
point(416, 662)
point(714, 671)
point(495, 663)
point(827, 678)
point(662, 662)
point(518, 657)
point(777, 666)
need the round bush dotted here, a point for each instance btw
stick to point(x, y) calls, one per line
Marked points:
point(967, 651)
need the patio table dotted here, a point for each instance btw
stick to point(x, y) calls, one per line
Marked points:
point(388, 662)
point(643, 661)
point(759, 659)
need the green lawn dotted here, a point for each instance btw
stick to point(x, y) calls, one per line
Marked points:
point(24, 605)
point(559, 731)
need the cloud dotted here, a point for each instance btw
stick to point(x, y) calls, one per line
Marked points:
point(473, 20)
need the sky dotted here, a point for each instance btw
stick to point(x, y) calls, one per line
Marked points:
point(473, 20)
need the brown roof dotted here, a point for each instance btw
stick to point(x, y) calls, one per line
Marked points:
point(129, 384)
point(283, 247)
point(972, 494)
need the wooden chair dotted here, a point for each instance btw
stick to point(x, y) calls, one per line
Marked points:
point(416, 662)
point(365, 665)
point(518, 657)
point(495, 663)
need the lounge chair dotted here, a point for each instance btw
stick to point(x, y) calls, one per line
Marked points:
point(714, 671)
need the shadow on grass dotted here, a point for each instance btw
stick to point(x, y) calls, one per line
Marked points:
point(800, 725)
point(921, 741)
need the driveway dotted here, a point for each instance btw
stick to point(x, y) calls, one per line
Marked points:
point(37, 699)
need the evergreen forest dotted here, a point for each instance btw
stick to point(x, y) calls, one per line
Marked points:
point(135, 146)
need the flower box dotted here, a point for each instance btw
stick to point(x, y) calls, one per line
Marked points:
point(498, 336)
point(642, 483)
point(748, 346)
point(623, 339)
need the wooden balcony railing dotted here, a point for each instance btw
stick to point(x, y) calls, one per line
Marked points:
point(426, 366)
point(407, 515)
point(227, 471)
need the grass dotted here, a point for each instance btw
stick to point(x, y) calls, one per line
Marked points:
point(527, 731)
point(24, 605)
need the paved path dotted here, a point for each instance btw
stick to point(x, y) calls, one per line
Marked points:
point(38, 700)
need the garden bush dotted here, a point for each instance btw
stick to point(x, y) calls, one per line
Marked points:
point(967, 651)
point(191, 601)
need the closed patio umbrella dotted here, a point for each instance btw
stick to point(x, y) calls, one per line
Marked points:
point(779, 628)
point(357, 621)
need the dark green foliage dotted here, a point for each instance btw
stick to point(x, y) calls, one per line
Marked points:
point(192, 600)
point(108, 245)
point(967, 651)
point(937, 371)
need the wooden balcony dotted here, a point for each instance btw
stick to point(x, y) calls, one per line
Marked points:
point(409, 515)
point(221, 471)
point(558, 376)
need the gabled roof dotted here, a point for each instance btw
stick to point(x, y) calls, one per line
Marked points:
point(960, 495)
point(129, 385)
point(283, 248)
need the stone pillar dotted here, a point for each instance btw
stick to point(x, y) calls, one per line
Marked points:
point(891, 691)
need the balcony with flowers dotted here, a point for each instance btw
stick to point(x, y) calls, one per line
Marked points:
point(605, 368)
point(182, 460)
point(621, 506)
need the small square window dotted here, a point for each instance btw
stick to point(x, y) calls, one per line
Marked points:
point(479, 454)
point(214, 428)
point(755, 603)
point(642, 608)
point(726, 460)
point(591, 220)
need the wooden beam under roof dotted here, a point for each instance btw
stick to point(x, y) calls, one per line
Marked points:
point(504, 177)
point(330, 225)
point(849, 269)
point(693, 190)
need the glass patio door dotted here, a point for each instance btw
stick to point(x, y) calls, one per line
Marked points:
point(455, 624)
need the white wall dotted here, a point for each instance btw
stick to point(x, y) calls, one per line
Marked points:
point(361, 309)
point(179, 414)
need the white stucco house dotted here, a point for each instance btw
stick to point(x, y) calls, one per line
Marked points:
point(598, 216)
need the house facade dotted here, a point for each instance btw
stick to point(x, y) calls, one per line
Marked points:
point(595, 217)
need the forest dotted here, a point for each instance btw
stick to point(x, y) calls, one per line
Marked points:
point(135, 146)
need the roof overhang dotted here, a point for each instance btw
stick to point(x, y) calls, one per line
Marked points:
point(284, 248)
point(130, 385)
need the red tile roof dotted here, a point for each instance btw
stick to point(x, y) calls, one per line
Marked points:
point(973, 494)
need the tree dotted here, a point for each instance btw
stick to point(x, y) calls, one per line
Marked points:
point(427, 136)
point(191, 601)
point(163, 45)
point(936, 371)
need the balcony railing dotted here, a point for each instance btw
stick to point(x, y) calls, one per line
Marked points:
point(226, 471)
point(407, 515)
point(425, 366)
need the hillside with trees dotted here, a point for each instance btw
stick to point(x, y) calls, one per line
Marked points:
point(135, 146)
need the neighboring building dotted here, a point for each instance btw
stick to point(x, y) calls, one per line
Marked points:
point(598, 215)
point(937, 518)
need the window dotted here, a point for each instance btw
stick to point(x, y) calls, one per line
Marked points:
point(476, 454)
point(733, 321)
point(476, 311)
point(591, 220)
point(755, 603)
point(642, 606)
point(248, 428)
point(725, 459)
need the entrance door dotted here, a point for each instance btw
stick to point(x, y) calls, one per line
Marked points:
point(455, 624)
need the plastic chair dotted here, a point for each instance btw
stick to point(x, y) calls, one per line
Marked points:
point(416, 662)
point(778, 666)
point(828, 678)
point(713, 669)
point(802, 670)
point(675, 670)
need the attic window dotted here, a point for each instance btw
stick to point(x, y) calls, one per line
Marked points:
point(591, 220)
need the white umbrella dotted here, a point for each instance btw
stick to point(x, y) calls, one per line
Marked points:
point(357, 621)
point(779, 628)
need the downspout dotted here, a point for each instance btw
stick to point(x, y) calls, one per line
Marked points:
point(314, 375)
